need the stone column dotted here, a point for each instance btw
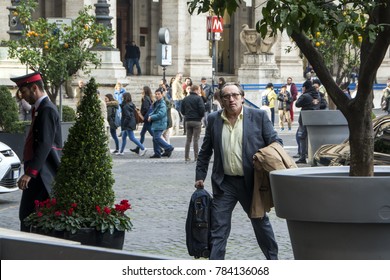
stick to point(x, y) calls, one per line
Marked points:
point(190, 48)
point(111, 68)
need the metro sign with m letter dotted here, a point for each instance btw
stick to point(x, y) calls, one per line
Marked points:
point(214, 24)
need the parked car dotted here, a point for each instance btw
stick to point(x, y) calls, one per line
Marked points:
point(339, 154)
point(9, 169)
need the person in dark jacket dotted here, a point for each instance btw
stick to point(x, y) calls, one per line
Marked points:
point(307, 101)
point(132, 57)
point(112, 108)
point(146, 108)
point(193, 109)
point(285, 99)
point(208, 91)
point(42, 148)
point(128, 124)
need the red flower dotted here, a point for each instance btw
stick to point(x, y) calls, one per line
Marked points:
point(57, 213)
point(98, 209)
point(39, 214)
point(70, 211)
point(53, 201)
point(74, 205)
point(36, 202)
point(107, 210)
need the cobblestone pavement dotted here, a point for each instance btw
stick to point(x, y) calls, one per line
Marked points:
point(159, 191)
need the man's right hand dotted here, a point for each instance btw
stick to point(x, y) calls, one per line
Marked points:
point(199, 184)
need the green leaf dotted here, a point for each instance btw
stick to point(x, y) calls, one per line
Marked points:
point(341, 26)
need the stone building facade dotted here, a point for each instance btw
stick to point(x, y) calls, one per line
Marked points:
point(140, 20)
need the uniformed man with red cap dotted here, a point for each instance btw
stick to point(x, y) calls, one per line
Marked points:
point(42, 146)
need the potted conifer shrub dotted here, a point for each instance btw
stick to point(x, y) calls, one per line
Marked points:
point(333, 212)
point(81, 206)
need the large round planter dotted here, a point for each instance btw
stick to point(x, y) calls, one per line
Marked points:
point(89, 236)
point(331, 215)
point(324, 127)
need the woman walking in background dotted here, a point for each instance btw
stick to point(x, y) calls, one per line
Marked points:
point(146, 108)
point(112, 107)
point(128, 124)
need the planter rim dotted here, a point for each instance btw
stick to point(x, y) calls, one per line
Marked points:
point(329, 194)
point(328, 171)
point(323, 117)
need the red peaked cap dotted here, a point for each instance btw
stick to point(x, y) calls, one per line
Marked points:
point(27, 79)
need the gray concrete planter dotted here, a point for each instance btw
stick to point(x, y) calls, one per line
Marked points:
point(324, 127)
point(15, 141)
point(331, 215)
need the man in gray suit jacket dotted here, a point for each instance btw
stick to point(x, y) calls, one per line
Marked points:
point(234, 135)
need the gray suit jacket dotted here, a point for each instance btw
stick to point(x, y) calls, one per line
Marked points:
point(258, 132)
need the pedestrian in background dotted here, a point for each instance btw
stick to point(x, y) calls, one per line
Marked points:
point(293, 90)
point(284, 101)
point(193, 109)
point(159, 120)
point(268, 99)
point(208, 91)
point(112, 108)
point(23, 106)
point(307, 101)
point(146, 108)
point(42, 146)
point(234, 135)
point(128, 124)
point(132, 56)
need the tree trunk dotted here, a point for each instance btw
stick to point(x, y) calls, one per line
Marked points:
point(361, 142)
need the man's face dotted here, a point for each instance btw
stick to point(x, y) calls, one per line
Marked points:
point(232, 99)
point(289, 81)
point(158, 95)
point(28, 94)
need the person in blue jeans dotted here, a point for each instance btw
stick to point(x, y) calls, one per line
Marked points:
point(159, 119)
point(128, 124)
point(146, 108)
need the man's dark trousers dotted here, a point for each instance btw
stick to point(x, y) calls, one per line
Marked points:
point(221, 215)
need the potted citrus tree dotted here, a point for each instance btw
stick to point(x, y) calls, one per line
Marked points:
point(333, 212)
point(82, 204)
point(58, 52)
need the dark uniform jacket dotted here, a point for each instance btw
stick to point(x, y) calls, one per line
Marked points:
point(47, 144)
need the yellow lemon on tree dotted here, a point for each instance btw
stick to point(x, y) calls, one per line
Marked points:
point(66, 45)
point(97, 40)
point(318, 44)
point(318, 34)
point(360, 39)
point(15, 14)
point(86, 27)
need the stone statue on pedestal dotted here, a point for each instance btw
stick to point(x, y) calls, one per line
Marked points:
point(253, 42)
